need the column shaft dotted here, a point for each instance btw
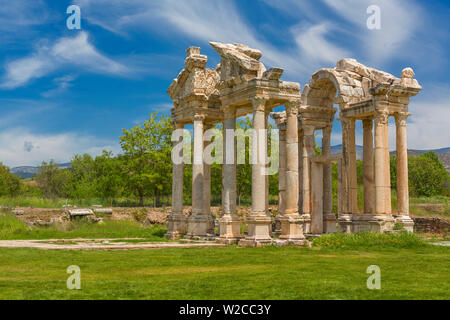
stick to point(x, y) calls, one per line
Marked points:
point(327, 184)
point(368, 170)
point(198, 169)
point(229, 222)
point(352, 170)
point(291, 160)
point(300, 170)
point(402, 166)
point(282, 171)
point(177, 177)
point(381, 123)
point(308, 153)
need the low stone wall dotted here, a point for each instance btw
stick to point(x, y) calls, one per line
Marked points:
point(431, 225)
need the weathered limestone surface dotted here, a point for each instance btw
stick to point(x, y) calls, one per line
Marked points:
point(242, 85)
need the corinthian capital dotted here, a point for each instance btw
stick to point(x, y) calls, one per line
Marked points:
point(259, 104)
point(292, 108)
point(199, 117)
point(400, 119)
point(381, 118)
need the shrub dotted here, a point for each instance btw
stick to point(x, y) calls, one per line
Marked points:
point(368, 240)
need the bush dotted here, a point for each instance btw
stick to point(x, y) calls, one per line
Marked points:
point(427, 175)
point(368, 240)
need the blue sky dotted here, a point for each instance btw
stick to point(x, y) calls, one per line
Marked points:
point(72, 91)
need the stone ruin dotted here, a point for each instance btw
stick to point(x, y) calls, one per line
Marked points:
point(241, 85)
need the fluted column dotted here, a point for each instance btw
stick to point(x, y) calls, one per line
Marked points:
point(229, 222)
point(199, 222)
point(282, 170)
point(176, 220)
point(259, 222)
point(308, 153)
point(206, 179)
point(327, 185)
point(368, 170)
point(352, 169)
point(291, 227)
point(382, 189)
point(402, 165)
point(300, 169)
point(177, 175)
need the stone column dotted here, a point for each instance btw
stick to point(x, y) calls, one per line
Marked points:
point(402, 173)
point(300, 169)
point(329, 219)
point(352, 175)
point(381, 167)
point(177, 220)
point(387, 172)
point(281, 176)
point(229, 222)
point(207, 185)
point(291, 227)
point(368, 170)
point(198, 222)
point(317, 197)
point(308, 154)
point(345, 180)
point(327, 187)
point(259, 222)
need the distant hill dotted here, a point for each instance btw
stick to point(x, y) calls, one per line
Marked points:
point(26, 172)
point(443, 154)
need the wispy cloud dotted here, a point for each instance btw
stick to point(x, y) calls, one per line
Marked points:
point(61, 86)
point(18, 17)
point(75, 51)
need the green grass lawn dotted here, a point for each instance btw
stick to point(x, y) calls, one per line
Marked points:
point(227, 273)
point(13, 229)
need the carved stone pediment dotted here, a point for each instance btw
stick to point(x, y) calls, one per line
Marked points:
point(238, 60)
point(194, 79)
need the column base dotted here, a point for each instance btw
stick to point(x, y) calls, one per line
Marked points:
point(292, 227)
point(345, 223)
point(259, 230)
point(306, 217)
point(378, 223)
point(329, 223)
point(200, 226)
point(406, 221)
point(230, 229)
point(176, 225)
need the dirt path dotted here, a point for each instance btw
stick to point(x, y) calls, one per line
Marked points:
point(100, 244)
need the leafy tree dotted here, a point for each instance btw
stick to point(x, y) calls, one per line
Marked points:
point(147, 154)
point(427, 175)
point(53, 181)
point(9, 183)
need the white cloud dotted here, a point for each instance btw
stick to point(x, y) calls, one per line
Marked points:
point(19, 15)
point(315, 48)
point(400, 21)
point(21, 147)
point(212, 20)
point(70, 51)
point(62, 84)
point(428, 127)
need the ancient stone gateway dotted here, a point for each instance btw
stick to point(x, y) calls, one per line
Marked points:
point(241, 85)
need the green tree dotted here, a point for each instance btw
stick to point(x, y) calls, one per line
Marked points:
point(53, 181)
point(9, 183)
point(427, 175)
point(147, 154)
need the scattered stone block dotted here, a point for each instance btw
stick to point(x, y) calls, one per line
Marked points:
point(80, 212)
